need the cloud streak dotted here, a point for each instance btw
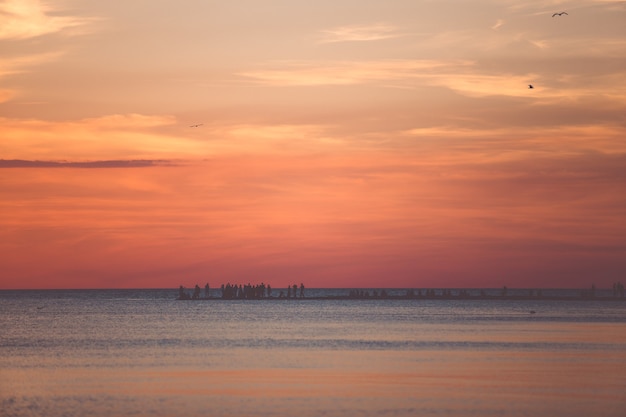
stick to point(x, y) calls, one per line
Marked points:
point(24, 19)
point(464, 77)
point(468, 78)
point(16, 65)
point(360, 33)
point(19, 163)
point(303, 73)
point(499, 23)
point(111, 137)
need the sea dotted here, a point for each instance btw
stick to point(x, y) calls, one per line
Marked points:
point(143, 353)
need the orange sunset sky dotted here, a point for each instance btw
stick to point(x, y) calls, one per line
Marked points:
point(342, 143)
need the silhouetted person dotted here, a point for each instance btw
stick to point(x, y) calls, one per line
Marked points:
point(182, 295)
point(206, 290)
point(301, 290)
point(196, 292)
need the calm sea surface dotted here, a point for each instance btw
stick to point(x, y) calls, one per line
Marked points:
point(142, 353)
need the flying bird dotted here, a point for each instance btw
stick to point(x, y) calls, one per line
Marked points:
point(198, 125)
point(530, 86)
point(560, 14)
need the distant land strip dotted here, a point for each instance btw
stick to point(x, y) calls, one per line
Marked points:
point(133, 163)
point(438, 297)
point(259, 293)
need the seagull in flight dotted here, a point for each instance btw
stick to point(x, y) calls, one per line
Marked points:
point(560, 14)
point(198, 125)
point(530, 86)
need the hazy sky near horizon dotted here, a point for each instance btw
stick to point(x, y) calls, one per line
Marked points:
point(342, 143)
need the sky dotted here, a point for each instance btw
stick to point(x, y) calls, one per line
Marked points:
point(339, 143)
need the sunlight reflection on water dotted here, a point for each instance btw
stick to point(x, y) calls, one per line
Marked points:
point(89, 354)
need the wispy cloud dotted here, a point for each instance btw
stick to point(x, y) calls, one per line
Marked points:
point(475, 84)
point(271, 138)
point(305, 73)
point(23, 19)
point(113, 137)
point(499, 23)
point(525, 143)
point(129, 121)
point(360, 33)
point(464, 77)
point(541, 43)
point(16, 65)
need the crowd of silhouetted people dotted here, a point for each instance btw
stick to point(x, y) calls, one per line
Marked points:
point(184, 295)
point(242, 292)
point(247, 292)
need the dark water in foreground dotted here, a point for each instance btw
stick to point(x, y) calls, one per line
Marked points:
point(142, 353)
